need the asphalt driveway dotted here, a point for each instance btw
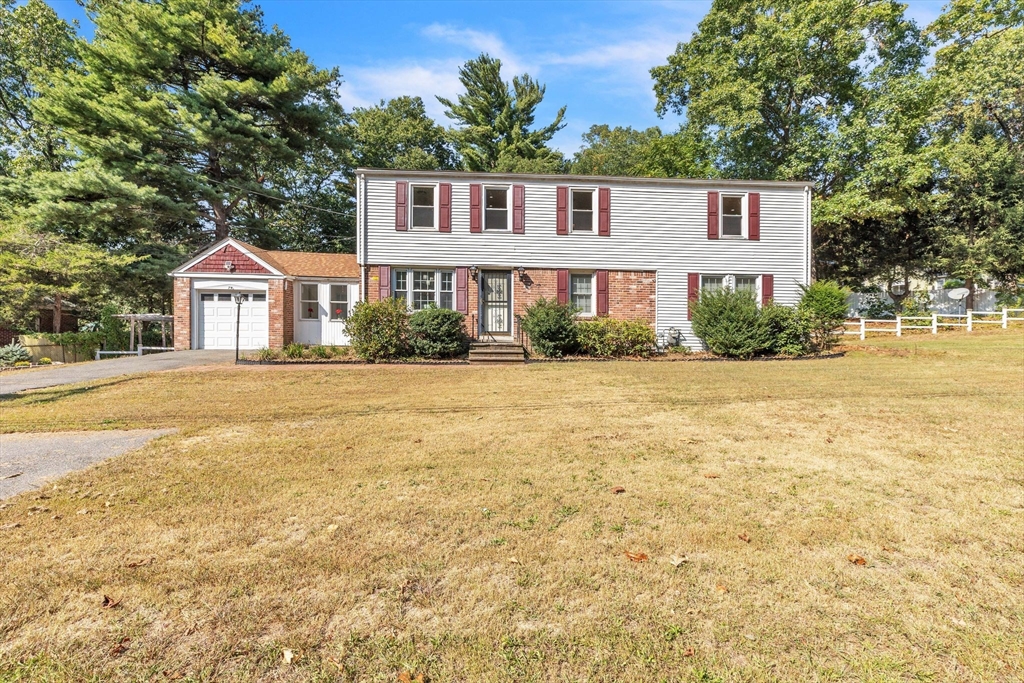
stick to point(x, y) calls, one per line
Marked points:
point(14, 381)
point(27, 461)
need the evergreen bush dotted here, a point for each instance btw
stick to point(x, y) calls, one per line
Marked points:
point(823, 306)
point(611, 338)
point(551, 327)
point(782, 330)
point(438, 333)
point(379, 330)
point(13, 353)
point(727, 322)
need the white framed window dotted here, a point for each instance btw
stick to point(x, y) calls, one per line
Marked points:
point(581, 205)
point(496, 208)
point(309, 302)
point(738, 283)
point(339, 302)
point(424, 206)
point(424, 287)
point(733, 215)
point(581, 292)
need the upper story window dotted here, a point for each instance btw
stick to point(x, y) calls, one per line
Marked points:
point(581, 292)
point(496, 208)
point(309, 302)
point(732, 215)
point(423, 206)
point(582, 210)
point(422, 288)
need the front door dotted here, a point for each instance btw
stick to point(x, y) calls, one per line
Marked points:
point(496, 302)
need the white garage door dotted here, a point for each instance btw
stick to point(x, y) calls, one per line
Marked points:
point(217, 313)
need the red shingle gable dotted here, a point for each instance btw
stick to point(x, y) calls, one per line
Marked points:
point(214, 263)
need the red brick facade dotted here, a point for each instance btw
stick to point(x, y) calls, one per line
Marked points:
point(631, 293)
point(218, 260)
point(182, 314)
point(280, 313)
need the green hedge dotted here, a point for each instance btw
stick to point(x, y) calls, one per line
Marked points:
point(611, 338)
point(438, 333)
point(551, 327)
point(379, 330)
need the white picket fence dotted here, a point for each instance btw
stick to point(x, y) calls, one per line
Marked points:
point(932, 322)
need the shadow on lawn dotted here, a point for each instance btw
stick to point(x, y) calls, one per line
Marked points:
point(36, 397)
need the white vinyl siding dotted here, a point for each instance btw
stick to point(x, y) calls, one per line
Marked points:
point(659, 227)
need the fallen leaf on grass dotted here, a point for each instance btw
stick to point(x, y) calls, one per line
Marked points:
point(711, 475)
point(12, 476)
point(110, 603)
point(676, 561)
point(513, 560)
point(828, 440)
point(406, 677)
point(888, 549)
point(12, 525)
point(120, 647)
point(83, 511)
point(857, 559)
point(173, 675)
point(636, 557)
point(744, 538)
point(619, 489)
point(288, 656)
point(721, 588)
point(140, 563)
point(331, 528)
point(688, 652)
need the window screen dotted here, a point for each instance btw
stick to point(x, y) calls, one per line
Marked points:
point(581, 286)
point(732, 216)
point(582, 210)
point(496, 209)
point(422, 207)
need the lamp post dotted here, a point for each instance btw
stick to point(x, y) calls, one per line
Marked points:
point(239, 298)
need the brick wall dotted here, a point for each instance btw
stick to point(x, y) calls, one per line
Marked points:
point(280, 310)
point(182, 314)
point(631, 294)
point(240, 263)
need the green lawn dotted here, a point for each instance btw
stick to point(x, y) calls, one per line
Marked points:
point(461, 523)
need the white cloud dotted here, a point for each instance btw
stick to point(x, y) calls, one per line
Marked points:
point(477, 42)
point(366, 86)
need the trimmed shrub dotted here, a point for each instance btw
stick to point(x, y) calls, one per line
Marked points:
point(23, 364)
point(438, 333)
point(379, 330)
point(551, 327)
point(823, 306)
point(45, 361)
point(783, 330)
point(727, 322)
point(13, 353)
point(319, 352)
point(610, 338)
point(294, 351)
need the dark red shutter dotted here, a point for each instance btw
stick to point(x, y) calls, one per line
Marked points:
point(444, 221)
point(602, 292)
point(519, 209)
point(401, 202)
point(563, 286)
point(562, 224)
point(462, 290)
point(712, 215)
point(692, 293)
point(384, 280)
point(767, 288)
point(604, 211)
point(754, 215)
point(475, 212)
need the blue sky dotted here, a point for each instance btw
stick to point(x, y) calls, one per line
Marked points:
point(594, 57)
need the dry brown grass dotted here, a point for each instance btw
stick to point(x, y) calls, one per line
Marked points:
point(460, 522)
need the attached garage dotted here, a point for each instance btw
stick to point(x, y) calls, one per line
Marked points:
point(285, 296)
point(217, 314)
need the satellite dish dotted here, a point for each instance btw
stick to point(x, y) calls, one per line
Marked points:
point(958, 294)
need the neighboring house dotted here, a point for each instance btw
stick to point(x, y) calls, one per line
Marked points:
point(635, 248)
point(44, 323)
point(287, 296)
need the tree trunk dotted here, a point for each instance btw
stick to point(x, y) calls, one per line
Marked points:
point(58, 312)
point(969, 283)
point(220, 221)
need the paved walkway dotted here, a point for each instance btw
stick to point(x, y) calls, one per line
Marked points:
point(14, 381)
point(28, 461)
